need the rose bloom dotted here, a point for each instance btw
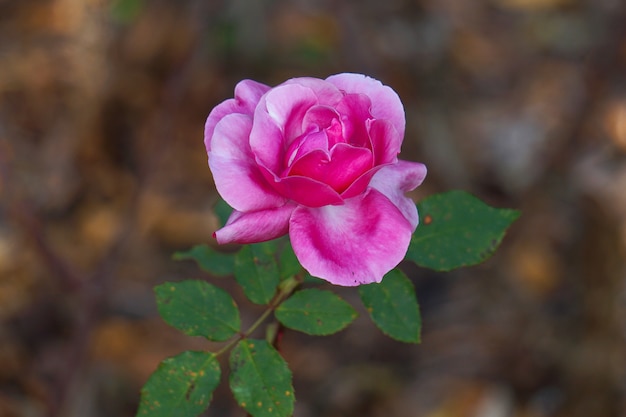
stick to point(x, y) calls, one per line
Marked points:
point(317, 159)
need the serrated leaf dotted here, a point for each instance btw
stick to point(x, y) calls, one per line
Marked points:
point(315, 312)
point(198, 308)
point(256, 270)
point(288, 263)
point(260, 379)
point(209, 260)
point(393, 307)
point(181, 386)
point(457, 229)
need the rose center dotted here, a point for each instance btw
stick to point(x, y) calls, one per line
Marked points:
point(323, 154)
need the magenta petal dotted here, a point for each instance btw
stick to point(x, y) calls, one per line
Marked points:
point(327, 94)
point(305, 191)
point(308, 192)
point(305, 144)
point(247, 95)
point(385, 102)
point(396, 179)
point(319, 116)
point(327, 120)
point(287, 104)
point(278, 121)
point(360, 184)
point(386, 142)
point(231, 136)
point(267, 141)
point(352, 244)
point(355, 114)
point(255, 226)
point(346, 164)
point(237, 177)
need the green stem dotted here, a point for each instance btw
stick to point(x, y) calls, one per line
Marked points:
point(285, 289)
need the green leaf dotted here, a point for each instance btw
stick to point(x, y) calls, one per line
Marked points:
point(181, 386)
point(392, 305)
point(222, 211)
point(198, 308)
point(256, 270)
point(315, 312)
point(260, 379)
point(457, 229)
point(288, 263)
point(209, 260)
point(310, 279)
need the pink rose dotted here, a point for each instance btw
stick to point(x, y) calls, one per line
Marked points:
point(317, 159)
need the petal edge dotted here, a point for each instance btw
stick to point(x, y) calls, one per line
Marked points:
point(352, 244)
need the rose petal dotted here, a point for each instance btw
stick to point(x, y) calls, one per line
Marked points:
point(320, 117)
point(255, 226)
point(267, 141)
point(360, 184)
point(352, 244)
point(355, 114)
point(302, 190)
point(235, 172)
point(327, 94)
point(346, 164)
point(247, 95)
point(231, 137)
point(278, 121)
point(326, 119)
point(395, 180)
point(305, 144)
point(386, 142)
point(385, 102)
point(287, 105)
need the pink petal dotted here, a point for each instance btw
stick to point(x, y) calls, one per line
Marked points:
point(305, 144)
point(385, 102)
point(231, 137)
point(278, 121)
point(309, 192)
point(352, 244)
point(386, 142)
point(319, 116)
point(355, 114)
point(237, 176)
point(360, 184)
point(396, 179)
point(247, 95)
point(302, 190)
point(346, 164)
point(327, 94)
point(287, 104)
point(267, 141)
point(255, 226)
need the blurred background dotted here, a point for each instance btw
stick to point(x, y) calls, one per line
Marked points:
point(103, 175)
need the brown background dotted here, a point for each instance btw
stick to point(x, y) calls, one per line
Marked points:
point(103, 176)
